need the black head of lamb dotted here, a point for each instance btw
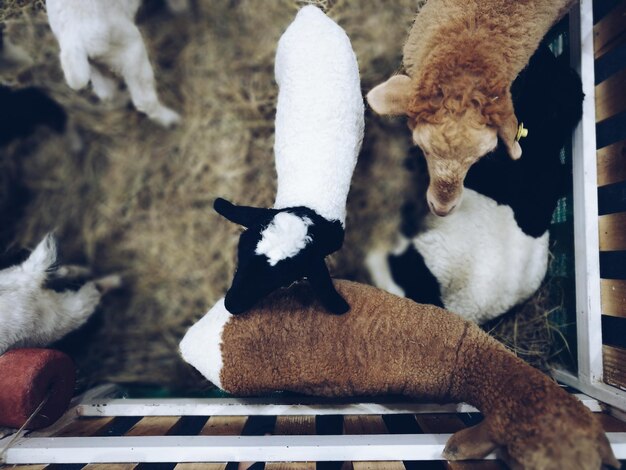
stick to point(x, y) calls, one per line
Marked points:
point(26, 108)
point(278, 248)
point(548, 99)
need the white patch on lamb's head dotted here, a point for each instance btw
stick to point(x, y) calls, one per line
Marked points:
point(284, 237)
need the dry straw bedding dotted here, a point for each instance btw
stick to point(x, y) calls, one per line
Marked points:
point(126, 196)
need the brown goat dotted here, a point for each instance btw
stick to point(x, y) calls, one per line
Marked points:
point(461, 58)
point(390, 345)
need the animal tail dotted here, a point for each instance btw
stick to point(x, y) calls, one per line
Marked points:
point(42, 261)
point(75, 64)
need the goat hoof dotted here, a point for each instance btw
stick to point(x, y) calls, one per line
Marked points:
point(166, 117)
point(71, 270)
point(108, 283)
point(337, 306)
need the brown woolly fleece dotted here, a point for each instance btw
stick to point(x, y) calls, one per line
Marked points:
point(460, 50)
point(391, 345)
point(461, 58)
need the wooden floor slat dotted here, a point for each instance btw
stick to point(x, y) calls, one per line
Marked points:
point(224, 426)
point(364, 424)
point(24, 467)
point(200, 466)
point(440, 423)
point(84, 427)
point(294, 425)
point(290, 466)
point(391, 465)
point(369, 424)
point(110, 466)
point(153, 426)
point(477, 465)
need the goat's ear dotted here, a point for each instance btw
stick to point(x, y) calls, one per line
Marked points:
point(508, 134)
point(391, 98)
point(242, 215)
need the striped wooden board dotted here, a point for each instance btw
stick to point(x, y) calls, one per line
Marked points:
point(610, 31)
point(612, 163)
point(611, 96)
point(609, 35)
point(612, 229)
point(613, 297)
point(614, 359)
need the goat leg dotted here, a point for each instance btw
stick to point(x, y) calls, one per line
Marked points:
point(322, 284)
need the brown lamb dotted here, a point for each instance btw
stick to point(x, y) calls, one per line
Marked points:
point(461, 58)
point(391, 345)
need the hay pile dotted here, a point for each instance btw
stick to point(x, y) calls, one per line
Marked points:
point(125, 196)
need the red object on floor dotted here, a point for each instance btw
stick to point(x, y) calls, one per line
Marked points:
point(27, 377)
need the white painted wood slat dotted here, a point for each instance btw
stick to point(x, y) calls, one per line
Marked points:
point(182, 449)
point(605, 393)
point(586, 240)
point(269, 406)
point(229, 448)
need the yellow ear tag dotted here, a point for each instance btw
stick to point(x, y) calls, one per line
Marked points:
point(521, 132)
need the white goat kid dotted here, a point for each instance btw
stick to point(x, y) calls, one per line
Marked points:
point(319, 130)
point(104, 30)
point(33, 316)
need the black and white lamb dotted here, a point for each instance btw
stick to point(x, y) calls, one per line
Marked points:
point(492, 253)
point(319, 130)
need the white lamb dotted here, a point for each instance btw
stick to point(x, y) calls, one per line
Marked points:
point(104, 31)
point(319, 117)
point(32, 315)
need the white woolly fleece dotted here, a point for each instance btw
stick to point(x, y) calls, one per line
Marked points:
point(319, 116)
point(32, 316)
point(83, 29)
point(201, 345)
point(484, 262)
point(105, 30)
point(378, 266)
point(284, 237)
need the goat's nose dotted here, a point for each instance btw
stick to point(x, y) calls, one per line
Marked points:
point(441, 204)
point(440, 210)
